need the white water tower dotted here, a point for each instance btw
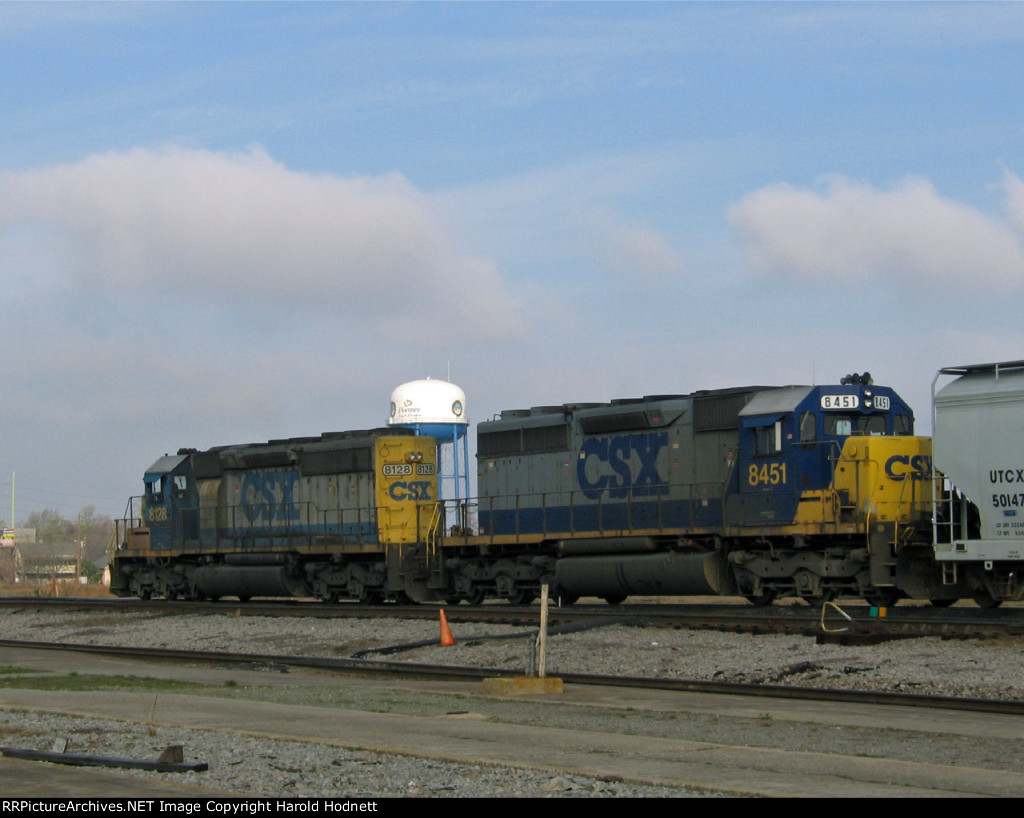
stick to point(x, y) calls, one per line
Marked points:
point(438, 409)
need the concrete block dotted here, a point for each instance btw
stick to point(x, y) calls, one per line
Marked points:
point(522, 686)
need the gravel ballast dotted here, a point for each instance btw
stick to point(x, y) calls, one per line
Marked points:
point(986, 669)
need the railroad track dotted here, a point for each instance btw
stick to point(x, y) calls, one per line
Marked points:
point(416, 671)
point(851, 623)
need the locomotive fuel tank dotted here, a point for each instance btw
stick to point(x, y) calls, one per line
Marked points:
point(616, 576)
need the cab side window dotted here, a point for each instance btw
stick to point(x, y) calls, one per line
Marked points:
point(808, 429)
point(768, 439)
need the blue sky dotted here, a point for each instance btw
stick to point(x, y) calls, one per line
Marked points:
point(231, 222)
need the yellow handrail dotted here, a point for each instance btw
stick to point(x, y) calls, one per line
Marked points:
point(433, 527)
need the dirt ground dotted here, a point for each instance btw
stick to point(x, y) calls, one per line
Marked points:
point(55, 588)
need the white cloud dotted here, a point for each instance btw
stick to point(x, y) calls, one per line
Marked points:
point(636, 251)
point(579, 218)
point(1014, 188)
point(230, 229)
point(855, 234)
point(165, 298)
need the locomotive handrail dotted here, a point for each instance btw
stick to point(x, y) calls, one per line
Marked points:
point(238, 521)
point(434, 525)
point(664, 496)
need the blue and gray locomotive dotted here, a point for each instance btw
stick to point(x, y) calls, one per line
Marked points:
point(761, 492)
point(342, 515)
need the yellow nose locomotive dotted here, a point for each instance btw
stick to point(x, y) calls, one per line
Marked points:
point(805, 491)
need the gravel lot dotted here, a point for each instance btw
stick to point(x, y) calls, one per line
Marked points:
point(990, 669)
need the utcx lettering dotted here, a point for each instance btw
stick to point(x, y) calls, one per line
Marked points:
point(621, 465)
point(1006, 475)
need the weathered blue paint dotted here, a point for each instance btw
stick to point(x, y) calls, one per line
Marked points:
point(616, 472)
point(267, 496)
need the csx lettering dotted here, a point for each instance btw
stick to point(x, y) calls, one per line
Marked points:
point(901, 466)
point(625, 463)
point(267, 496)
point(1006, 475)
point(418, 490)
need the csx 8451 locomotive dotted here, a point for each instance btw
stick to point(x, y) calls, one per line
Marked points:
point(763, 492)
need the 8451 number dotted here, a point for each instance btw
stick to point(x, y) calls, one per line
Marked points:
point(766, 474)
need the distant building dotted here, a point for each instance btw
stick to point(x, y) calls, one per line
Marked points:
point(47, 561)
point(10, 557)
point(22, 559)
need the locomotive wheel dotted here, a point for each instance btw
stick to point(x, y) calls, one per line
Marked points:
point(521, 596)
point(983, 599)
point(371, 597)
point(883, 597)
point(476, 596)
point(761, 600)
point(819, 600)
point(941, 603)
point(614, 599)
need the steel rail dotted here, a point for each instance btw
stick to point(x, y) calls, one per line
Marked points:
point(851, 622)
point(361, 667)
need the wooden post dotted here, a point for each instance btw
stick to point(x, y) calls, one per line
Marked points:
point(542, 637)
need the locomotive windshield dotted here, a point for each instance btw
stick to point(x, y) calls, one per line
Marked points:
point(846, 425)
point(838, 425)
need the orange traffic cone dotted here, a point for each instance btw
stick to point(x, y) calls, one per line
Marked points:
point(446, 632)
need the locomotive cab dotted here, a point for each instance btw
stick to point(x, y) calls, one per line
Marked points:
point(171, 502)
point(833, 485)
point(790, 440)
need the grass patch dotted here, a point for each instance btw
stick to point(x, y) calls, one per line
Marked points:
point(356, 645)
point(6, 670)
point(79, 682)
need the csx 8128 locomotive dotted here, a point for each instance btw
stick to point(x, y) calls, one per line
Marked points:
point(762, 492)
point(342, 515)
